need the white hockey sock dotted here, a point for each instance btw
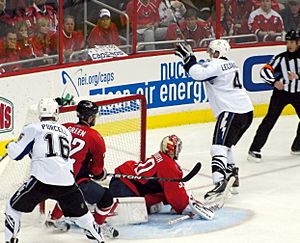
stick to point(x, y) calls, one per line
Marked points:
point(87, 223)
point(219, 154)
point(12, 223)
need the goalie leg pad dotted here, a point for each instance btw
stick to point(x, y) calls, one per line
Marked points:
point(130, 210)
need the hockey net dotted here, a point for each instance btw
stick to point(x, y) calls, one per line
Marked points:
point(122, 123)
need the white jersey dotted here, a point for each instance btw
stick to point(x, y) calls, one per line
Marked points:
point(48, 144)
point(224, 89)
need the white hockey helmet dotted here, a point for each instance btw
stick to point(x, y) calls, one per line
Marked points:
point(171, 145)
point(48, 108)
point(219, 45)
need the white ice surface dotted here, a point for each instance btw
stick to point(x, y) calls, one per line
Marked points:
point(270, 189)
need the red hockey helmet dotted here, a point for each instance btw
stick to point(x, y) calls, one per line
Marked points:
point(171, 145)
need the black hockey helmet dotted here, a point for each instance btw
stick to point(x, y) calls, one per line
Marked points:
point(85, 109)
point(292, 35)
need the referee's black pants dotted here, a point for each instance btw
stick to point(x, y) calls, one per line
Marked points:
point(279, 100)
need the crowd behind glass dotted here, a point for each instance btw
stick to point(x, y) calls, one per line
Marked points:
point(30, 35)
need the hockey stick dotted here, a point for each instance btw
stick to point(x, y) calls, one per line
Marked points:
point(3, 157)
point(182, 218)
point(189, 176)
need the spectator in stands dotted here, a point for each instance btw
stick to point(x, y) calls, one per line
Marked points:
point(265, 22)
point(41, 38)
point(167, 14)
point(105, 32)
point(9, 51)
point(116, 17)
point(148, 22)
point(75, 8)
point(5, 19)
point(204, 6)
point(40, 9)
point(191, 28)
point(227, 25)
point(291, 15)
point(24, 42)
point(8, 19)
point(275, 5)
point(240, 11)
point(72, 40)
point(178, 9)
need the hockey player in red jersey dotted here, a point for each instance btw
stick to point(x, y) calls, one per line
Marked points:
point(88, 151)
point(160, 164)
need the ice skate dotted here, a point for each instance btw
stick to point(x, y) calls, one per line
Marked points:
point(57, 225)
point(216, 192)
point(295, 151)
point(13, 240)
point(109, 231)
point(98, 230)
point(254, 156)
point(236, 184)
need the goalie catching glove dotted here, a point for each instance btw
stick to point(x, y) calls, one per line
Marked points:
point(197, 210)
point(185, 52)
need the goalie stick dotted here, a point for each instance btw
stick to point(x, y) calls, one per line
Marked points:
point(215, 206)
point(186, 178)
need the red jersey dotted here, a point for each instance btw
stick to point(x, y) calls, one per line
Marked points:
point(88, 150)
point(259, 20)
point(147, 14)
point(33, 13)
point(160, 165)
point(199, 33)
point(75, 42)
point(100, 36)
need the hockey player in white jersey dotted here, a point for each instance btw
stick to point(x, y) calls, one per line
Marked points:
point(230, 104)
point(48, 145)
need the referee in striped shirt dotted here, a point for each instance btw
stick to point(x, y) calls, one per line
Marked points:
point(283, 73)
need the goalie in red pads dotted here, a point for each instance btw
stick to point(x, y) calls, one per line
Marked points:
point(161, 164)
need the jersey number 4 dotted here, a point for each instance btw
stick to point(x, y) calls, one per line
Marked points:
point(236, 81)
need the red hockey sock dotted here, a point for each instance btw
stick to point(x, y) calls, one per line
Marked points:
point(101, 214)
point(56, 213)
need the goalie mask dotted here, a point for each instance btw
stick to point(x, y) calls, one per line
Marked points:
point(171, 145)
point(48, 108)
point(86, 109)
point(220, 46)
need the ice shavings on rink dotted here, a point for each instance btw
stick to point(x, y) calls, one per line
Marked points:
point(158, 226)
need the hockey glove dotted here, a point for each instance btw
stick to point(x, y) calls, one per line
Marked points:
point(185, 52)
